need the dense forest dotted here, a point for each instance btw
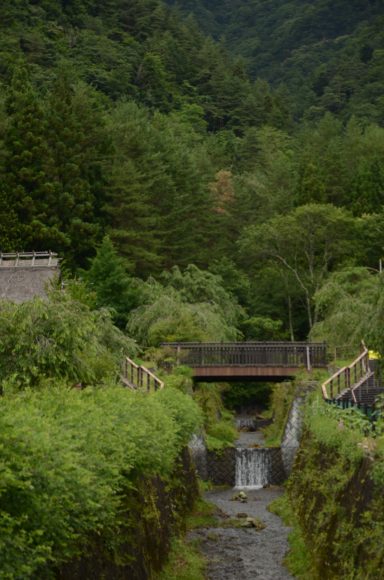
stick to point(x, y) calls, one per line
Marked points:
point(250, 147)
point(206, 171)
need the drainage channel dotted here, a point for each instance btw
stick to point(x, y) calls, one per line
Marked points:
point(246, 552)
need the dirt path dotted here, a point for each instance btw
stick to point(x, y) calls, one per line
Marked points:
point(235, 553)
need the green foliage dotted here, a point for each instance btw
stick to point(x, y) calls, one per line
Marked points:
point(221, 434)
point(333, 497)
point(59, 338)
point(218, 422)
point(240, 395)
point(341, 429)
point(263, 328)
point(184, 412)
point(189, 306)
point(203, 515)
point(350, 305)
point(281, 399)
point(74, 457)
point(302, 246)
point(328, 60)
point(185, 562)
point(180, 378)
point(109, 280)
point(298, 558)
point(320, 505)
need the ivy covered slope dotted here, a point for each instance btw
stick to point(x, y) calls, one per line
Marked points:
point(91, 479)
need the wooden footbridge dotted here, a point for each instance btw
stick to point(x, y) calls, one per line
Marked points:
point(248, 361)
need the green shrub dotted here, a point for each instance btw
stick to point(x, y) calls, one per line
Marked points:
point(59, 339)
point(281, 400)
point(220, 435)
point(68, 459)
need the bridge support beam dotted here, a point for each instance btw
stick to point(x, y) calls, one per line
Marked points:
point(247, 373)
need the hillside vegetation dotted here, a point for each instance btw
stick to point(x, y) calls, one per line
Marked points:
point(207, 172)
point(327, 54)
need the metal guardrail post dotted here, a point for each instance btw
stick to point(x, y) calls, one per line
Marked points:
point(309, 368)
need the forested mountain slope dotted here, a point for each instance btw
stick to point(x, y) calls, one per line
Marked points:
point(328, 53)
point(123, 118)
point(105, 116)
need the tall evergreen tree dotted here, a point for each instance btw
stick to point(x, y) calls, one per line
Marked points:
point(113, 286)
point(77, 147)
point(137, 175)
point(26, 181)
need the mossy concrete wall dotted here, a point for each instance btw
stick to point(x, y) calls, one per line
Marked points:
point(337, 498)
point(154, 511)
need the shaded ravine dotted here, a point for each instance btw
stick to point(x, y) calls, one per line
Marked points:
point(234, 553)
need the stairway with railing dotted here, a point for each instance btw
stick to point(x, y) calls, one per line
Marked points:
point(354, 385)
point(138, 377)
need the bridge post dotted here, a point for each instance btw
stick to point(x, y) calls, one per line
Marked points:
point(308, 352)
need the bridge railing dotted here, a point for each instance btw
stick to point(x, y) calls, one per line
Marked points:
point(28, 259)
point(268, 354)
point(138, 377)
point(347, 377)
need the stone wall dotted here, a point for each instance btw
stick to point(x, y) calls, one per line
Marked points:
point(20, 284)
point(221, 466)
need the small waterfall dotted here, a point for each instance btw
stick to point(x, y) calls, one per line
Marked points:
point(253, 468)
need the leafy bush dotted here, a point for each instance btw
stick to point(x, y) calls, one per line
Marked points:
point(337, 428)
point(188, 306)
point(281, 401)
point(220, 435)
point(58, 339)
point(68, 458)
point(218, 421)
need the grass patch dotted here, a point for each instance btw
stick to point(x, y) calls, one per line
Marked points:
point(185, 562)
point(281, 400)
point(203, 516)
point(298, 559)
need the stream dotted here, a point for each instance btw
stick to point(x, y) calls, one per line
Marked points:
point(242, 553)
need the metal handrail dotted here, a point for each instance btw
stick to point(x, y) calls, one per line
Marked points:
point(139, 377)
point(255, 354)
point(347, 377)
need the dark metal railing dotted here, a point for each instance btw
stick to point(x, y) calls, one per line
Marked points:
point(368, 410)
point(267, 354)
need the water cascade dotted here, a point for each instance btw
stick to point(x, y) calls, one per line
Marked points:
point(253, 468)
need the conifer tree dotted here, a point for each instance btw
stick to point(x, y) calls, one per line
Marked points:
point(26, 182)
point(137, 177)
point(76, 146)
point(113, 286)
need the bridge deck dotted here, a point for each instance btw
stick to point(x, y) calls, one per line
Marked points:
point(268, 361)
